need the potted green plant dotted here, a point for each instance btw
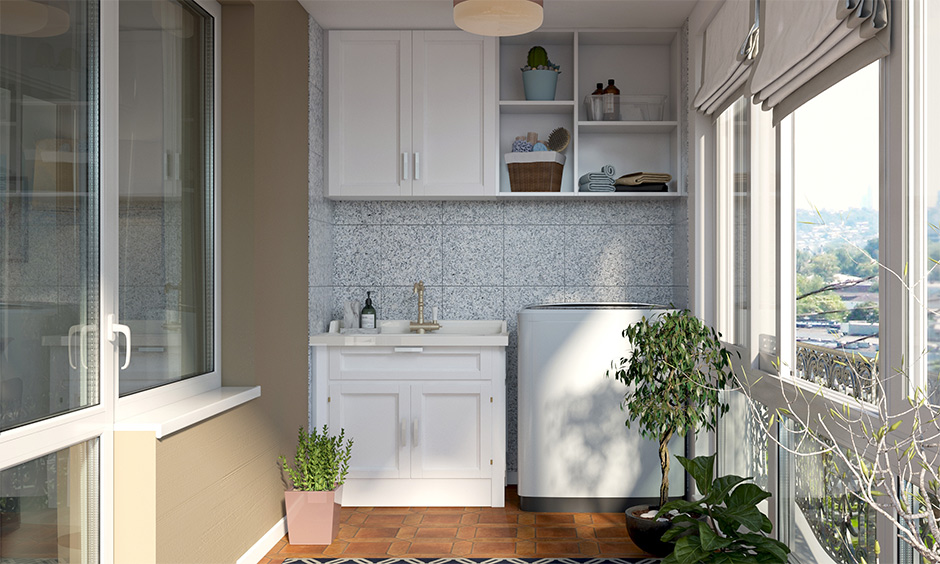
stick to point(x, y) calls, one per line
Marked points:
point(725, 525)
point(539, 76)
point(674, 372)
point(317, 475)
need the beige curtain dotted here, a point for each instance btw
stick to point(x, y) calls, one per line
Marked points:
point(730, 45)
point(809, 45)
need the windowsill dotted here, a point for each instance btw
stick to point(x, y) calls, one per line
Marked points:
point(178, 415)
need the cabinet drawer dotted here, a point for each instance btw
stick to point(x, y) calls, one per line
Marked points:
point(407, 363)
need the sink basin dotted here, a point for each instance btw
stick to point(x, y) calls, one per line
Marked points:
point(394, 332)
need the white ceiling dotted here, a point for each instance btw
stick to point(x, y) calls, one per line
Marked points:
point(438, 14)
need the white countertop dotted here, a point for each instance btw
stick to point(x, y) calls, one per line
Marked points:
point(394, 333)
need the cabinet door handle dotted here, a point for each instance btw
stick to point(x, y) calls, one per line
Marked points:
point(409, 349)
point(403, 436)
point(414, 433)
point(417, 166)
point(404, 166)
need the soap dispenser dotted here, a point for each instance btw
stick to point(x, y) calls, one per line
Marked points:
point(367, 318)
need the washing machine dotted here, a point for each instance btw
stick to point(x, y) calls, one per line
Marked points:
point(575, 453)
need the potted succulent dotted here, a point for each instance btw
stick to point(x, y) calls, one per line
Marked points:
point(674, 373)
point(539, 76)
point(725, 525)
point(317, 475)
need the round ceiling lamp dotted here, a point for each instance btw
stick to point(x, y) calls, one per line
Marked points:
point(21, 17)
point(498, 17)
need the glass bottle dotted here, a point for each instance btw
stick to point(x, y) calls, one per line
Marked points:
point(597, 103)
point(367, 317)
point(611, 102)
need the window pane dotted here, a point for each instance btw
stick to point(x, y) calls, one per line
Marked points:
point(836, 183)
point(821, 520)
point(166, 222)
point(48, 211)
point(49, 508)
point(930, 122)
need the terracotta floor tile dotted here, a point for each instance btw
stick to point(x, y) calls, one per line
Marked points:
point(376, 532)
point(362, 509)
point(556, 533)
point(294, 549)
point(461, 548)
point(493, 548)
point(399, 548)
point(384, 520)
point(413, 519)
point(525, 532)
point(431, 548)
point(583, 519)
point(436, 532)
point(496, 533)
point(355, 519)
point(466, 532)
point(557, 548)
point(367, 548)
point(525, 548)
point(407, 532)
point(497, 518)
point(611, 532)
point(554, 518)
point(526, 518)
point(589, 548)
point(457, 510)
point(335, 549)
point(609, 519)
point(444, 519)
point(391, 510)
point(470, 519)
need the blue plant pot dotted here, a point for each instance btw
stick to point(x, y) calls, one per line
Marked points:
point(539, 84)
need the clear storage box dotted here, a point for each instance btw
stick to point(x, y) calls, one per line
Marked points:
point(624, 108)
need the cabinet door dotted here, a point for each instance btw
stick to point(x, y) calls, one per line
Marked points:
point(369, 113)
point(375, 416)
point(451, 432)
point(454, 123)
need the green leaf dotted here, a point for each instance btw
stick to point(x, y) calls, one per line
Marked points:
point(720, 488)
point(701, 468)
point(710, 540)
point(687, 551)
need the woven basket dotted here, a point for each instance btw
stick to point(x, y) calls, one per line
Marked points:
point(539, 171)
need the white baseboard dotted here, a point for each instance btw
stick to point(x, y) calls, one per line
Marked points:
point(260, 549)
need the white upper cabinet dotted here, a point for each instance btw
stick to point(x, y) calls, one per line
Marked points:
point(411, 114)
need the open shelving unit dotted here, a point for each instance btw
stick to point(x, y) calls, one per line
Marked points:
point(587, 57)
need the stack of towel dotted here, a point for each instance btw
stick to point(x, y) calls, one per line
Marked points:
point(643, 182)
point(602, 181)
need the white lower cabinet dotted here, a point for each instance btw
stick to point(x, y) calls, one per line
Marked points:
point(431, 437)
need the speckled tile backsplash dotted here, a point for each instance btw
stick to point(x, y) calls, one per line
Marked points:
point(486, 260)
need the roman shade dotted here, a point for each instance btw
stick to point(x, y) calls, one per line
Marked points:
point(809, 45)
point(730, 46)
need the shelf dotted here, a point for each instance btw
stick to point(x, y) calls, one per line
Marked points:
point(627, 126)
point(536, 107)
point(588, 195)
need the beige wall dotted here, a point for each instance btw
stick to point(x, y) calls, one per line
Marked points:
point(218, 487)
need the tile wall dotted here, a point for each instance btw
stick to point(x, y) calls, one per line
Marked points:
point(486, 260)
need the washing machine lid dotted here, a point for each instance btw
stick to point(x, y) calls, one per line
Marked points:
point(594, 305)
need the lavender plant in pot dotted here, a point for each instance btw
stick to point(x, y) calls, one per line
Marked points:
point(319, 469)
point(674, 371)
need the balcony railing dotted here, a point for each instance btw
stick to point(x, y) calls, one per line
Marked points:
point(851, 373)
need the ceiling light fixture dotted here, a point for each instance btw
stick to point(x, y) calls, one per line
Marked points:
point(498, 17)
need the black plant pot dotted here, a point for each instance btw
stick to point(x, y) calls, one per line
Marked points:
point(647, 533)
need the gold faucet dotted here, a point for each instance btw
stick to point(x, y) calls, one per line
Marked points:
point(421, 326)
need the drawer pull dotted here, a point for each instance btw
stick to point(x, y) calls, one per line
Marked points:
point(409, 349)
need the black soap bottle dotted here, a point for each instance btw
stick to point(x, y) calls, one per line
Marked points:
point(367, 317)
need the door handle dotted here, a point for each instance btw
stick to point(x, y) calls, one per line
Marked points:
point(112, 334)
point(417, 166)
point(414, 433)
point(404, 166)
point(82, 331)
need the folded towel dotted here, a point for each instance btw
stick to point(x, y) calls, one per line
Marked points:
point(649, 187)
point(596, 188)
point(636, 178)
point(608, 170)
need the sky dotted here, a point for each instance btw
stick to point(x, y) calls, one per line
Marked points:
point(836, 145)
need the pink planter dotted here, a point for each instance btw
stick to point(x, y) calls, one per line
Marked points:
point(313, 517)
